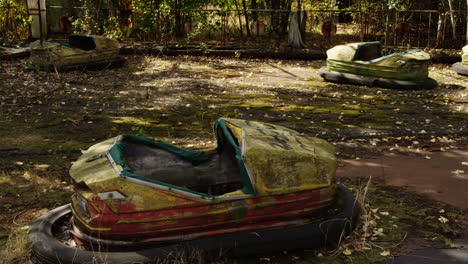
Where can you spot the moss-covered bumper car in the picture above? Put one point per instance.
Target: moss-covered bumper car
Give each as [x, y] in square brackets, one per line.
[363, 63]
[263, 188]
[462, 67]
[80, 52]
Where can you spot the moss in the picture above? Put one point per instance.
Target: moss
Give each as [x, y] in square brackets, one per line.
[3, 237]
[333, 124]
[408, 111]
[317, 83]
[135, 121]
[455, 116]
[351, 113]
[375, 125]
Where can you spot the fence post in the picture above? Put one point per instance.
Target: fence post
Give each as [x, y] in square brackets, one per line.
[440, 31]
[40, 20]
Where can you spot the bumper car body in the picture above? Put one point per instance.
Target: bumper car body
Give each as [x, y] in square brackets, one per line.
[363, 63]
[139, 192]
[462, 67]
[80, 51]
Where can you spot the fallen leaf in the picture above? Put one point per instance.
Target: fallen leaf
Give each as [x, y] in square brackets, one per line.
[442, 219]
[464, 163]
[358, 248]
[2, 181]
[385, 253]
[347, 252]
[378, 232]
[458, 172]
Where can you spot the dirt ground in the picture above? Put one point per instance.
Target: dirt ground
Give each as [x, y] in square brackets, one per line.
[442, 176]
[414, 140]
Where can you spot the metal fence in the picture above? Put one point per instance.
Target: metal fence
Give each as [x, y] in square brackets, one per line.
[261, 27]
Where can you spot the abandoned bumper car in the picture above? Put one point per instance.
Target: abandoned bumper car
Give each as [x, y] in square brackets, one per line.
[362, 63]
[462, 67]
[263, 188]
[80, 52]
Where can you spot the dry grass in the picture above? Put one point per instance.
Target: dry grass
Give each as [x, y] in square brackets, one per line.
[364, 237]
[181, 257]
[17, 248]
[5, 178]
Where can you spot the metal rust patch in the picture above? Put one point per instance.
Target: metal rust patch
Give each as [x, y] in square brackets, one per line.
[238, 210]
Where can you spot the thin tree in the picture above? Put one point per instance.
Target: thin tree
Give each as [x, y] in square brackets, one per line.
[452, 20]
[240, 19]
[244, 5]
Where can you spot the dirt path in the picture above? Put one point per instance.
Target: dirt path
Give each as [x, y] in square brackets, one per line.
[442, 176]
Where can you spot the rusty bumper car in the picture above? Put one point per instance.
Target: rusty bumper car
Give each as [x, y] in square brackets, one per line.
[263, 188]
[80, 52]
[362, 63]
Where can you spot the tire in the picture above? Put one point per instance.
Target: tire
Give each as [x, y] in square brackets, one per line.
[460, 69]
[429, 83]
[46, 248]
[348, 78]
[100, 65]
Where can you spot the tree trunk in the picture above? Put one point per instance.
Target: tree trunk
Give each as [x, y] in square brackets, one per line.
[440, 31]
[295, 38]
[285, 18]
[244, 5]
[387, 28]
[302, 20]
[452, 20]
[254, 5]
[275, 4]
[178, 20]
[240, 19]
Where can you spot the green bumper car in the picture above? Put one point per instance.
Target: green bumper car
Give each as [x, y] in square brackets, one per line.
[80, 52]
[462, 67]
[363, 63]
